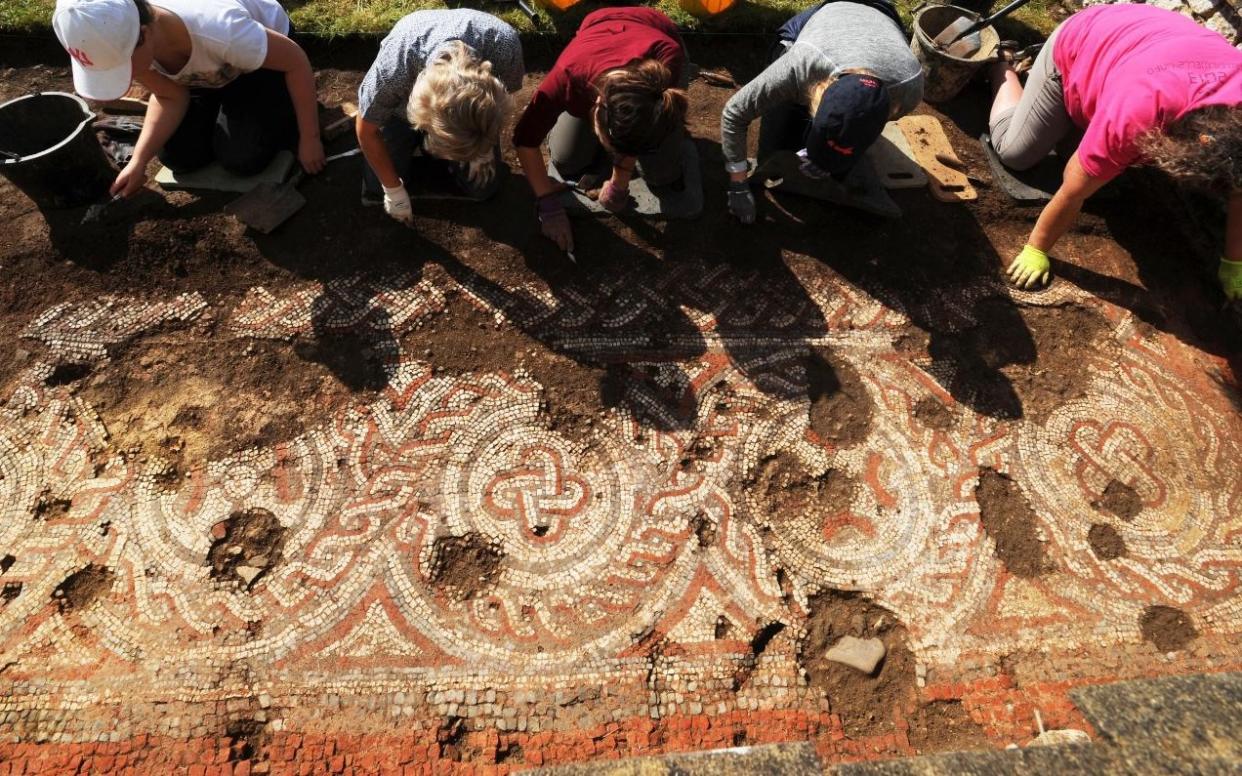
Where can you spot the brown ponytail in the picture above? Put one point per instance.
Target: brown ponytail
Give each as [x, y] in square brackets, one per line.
[638, 106]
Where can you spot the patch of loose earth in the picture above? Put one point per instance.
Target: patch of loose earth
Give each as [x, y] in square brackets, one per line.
[866, 704]
[1011, 524]
[1167, 627]
[944, 726]
[246, 546]
[841, 408]
[183, 402]
[465, 566]
[83, 587]
[787, 491]
[1023, 361]
[464, 338]
[1105, 542]
[1121, 500]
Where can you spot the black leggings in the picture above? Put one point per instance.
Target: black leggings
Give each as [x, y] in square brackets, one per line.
[241, 125]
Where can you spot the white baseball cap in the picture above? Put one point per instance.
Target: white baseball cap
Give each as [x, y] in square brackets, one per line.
[100, 36]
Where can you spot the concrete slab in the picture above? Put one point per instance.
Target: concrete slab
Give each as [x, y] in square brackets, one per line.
[213, 177]
[667, 202]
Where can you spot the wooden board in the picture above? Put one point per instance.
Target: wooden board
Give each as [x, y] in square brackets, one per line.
[894, 160]
[927, 139]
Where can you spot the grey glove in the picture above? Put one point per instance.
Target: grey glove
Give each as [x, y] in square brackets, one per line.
[742, 201]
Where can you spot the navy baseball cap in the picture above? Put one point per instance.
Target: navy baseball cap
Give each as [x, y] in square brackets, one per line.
[851, 115]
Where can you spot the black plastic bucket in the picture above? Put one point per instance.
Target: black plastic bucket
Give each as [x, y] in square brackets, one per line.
[50, 151]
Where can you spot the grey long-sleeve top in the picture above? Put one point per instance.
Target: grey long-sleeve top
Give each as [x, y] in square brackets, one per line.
[840, 36]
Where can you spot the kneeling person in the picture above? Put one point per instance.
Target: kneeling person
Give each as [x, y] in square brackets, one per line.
[226, 82]
[613, 89]
[439, 85]
[840, 71]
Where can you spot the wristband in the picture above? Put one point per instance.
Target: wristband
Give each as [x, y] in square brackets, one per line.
[399, 187]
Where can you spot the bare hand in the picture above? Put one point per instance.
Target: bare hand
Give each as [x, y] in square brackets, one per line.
[130, 181]
[310, 154]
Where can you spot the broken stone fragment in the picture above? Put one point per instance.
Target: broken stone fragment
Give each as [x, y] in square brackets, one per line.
[248, 573]
[1063, 736]
[860, 654]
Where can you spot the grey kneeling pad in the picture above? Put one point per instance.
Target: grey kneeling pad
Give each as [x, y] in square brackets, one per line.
[684, 200]
[861, 189]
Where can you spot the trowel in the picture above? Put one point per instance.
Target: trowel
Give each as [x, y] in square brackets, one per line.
[269, 205]
[961, 39]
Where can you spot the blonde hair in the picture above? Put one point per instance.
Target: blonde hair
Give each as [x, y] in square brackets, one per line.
[459, 104]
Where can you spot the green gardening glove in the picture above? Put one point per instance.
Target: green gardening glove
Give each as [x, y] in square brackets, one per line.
[1031, 268]
[1230, 275]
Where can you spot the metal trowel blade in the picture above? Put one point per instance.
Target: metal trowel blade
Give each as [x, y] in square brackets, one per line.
[967, 47]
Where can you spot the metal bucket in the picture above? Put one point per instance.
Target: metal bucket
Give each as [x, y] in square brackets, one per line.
[58, 161]
[943, 75]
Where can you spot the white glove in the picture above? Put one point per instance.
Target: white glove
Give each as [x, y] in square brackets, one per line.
[397, 204]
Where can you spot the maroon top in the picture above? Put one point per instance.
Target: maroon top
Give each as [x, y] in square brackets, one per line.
[608, 38]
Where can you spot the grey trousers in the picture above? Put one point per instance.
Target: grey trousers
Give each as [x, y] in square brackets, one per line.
[1026, 133]
[574, 147]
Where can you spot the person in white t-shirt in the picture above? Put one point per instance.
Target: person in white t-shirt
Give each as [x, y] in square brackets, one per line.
[227, 84]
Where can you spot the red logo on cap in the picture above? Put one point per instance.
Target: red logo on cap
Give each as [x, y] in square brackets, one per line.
[843, 150]
[80, 55]
[870, 83]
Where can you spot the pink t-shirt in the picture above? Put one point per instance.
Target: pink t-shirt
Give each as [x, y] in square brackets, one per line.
[1127, 69]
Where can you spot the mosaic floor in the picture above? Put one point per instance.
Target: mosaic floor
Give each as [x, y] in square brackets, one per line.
[442, 580]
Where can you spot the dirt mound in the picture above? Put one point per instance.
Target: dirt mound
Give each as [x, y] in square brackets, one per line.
[1010, 522]
[841, 408]
[247, 545]
[866, 704]
[465, 566]
[48, 507]
[1105, 542]
[1121, 500]
[787, 490]
[932, 413]
[185, 400]
[1020, 361]
[83, 587]
[464, 338]
[944, 726]
[1168, 627]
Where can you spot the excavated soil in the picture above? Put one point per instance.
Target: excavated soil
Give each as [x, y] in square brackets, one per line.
[1023, 362]
[463, 338]
[841, 408]
[944, 726]
[465, 566]
[81, 588]
[932, 413]
[866, 704]
[1010, 522]
[178, 402]
[1105, 542]
[1168, 627]
[788, 491]
[1121, 500]
[246, 546]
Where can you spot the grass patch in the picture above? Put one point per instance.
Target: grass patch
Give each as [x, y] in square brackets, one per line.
[335, 18]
